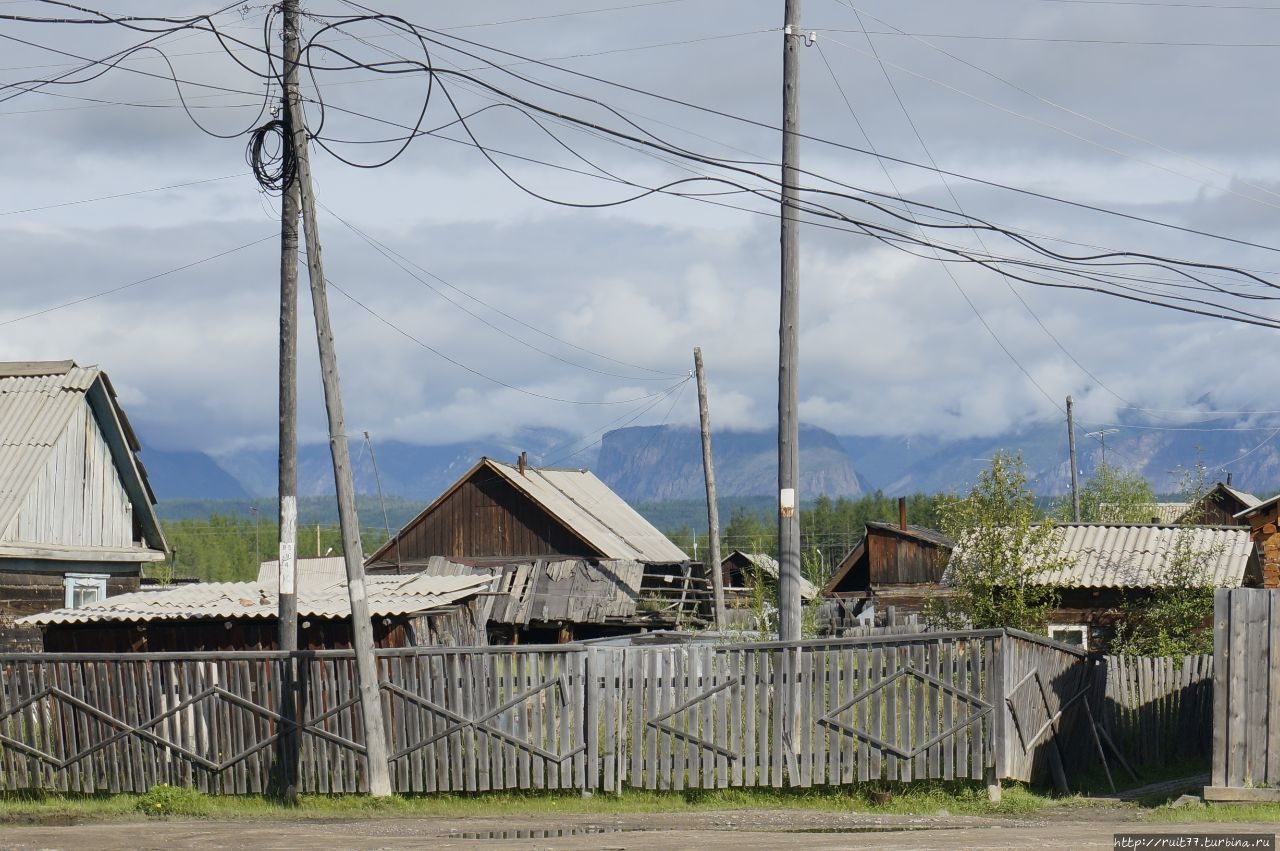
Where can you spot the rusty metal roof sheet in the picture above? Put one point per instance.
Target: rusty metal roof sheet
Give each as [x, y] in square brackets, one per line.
[594, 512]
[1141, 556]
[387, 595]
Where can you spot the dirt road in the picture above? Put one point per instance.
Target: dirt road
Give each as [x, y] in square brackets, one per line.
[706, 831]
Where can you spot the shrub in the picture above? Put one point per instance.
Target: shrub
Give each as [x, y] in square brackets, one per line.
[166, 800]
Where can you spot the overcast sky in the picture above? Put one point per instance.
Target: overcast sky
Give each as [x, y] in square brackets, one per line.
[539, 312]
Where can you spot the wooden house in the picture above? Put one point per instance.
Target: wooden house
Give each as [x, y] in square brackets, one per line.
[1263, 520]
[1101, 567]
[574, 560]
[888, 576]
[1223, 505]
[419, 610]
[77, 521]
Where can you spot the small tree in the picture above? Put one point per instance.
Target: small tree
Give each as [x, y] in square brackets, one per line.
[1172, 620]
[1002, 548]
[1111, 495]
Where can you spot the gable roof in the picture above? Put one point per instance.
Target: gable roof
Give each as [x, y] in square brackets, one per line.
[579, 501]
[1100, 555]
[37, 400]
[387, 595]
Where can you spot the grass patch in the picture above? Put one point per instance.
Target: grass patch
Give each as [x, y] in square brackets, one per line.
[165, 800]
[1225, 813]
[954, 798]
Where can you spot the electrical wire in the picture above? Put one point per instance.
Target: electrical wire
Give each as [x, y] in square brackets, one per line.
[132, 284]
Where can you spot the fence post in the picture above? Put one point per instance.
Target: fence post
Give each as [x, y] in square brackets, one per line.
[996, 670]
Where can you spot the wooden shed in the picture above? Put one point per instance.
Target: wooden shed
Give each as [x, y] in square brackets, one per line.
[891, 557]
[77, 521]
[562, 536]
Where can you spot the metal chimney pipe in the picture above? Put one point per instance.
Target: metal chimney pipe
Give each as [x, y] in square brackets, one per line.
[902, 513]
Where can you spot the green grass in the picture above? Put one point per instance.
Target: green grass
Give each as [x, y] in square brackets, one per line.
[923, 799]
[906, 799]
[1267, 813]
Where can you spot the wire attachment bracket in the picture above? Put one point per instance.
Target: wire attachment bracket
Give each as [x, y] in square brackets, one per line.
[810, 37]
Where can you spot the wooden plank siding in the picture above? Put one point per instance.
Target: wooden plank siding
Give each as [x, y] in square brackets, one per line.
[1246, 688]
[484, 517]
[78, 498]
[677, 716]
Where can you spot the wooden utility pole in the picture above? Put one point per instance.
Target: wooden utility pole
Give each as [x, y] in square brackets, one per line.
[361, 627]
[713, 511]
[288, 463]
[1075, 471]
[789, 339]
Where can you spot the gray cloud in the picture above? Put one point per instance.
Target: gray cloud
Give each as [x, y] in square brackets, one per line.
[888, 346]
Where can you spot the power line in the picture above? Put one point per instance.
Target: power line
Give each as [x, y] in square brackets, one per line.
[122, 194]
[402, 332]
[136, 283]
[395, 258]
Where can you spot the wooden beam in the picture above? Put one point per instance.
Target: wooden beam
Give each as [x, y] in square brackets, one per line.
[58, 552]
[1241, 795]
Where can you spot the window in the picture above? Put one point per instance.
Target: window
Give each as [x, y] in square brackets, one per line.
[83, 588]
[1077, 635]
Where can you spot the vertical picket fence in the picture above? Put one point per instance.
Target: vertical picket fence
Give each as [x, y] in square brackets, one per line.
[901, 707]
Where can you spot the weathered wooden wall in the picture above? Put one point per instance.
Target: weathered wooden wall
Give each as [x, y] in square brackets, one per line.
[485, 517]
[23, 594]
[1246, 687]
[900, 707]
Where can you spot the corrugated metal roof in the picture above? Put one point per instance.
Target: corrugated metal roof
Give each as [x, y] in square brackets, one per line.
[35, 406]
[37, 400]
[387, 595]
[319, 572]
[1113, 556]
[588, 507]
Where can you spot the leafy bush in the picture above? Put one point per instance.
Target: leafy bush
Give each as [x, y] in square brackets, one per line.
[166, 800]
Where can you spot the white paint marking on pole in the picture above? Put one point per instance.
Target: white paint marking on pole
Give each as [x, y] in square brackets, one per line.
[787, 501]
[288, 545]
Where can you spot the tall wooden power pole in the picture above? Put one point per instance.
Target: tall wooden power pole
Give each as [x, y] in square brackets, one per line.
[288, 466]
[1075, 471]
[361, 626]
[713, 510]
[789, 340]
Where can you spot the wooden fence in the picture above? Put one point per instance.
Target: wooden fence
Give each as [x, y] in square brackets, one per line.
[904, 707]
[1246, 694]
[1156, 711]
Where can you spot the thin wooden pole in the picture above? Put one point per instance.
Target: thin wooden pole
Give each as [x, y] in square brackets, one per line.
[287, 505]
[789, 615]
[1075, 469]
[361, 626]
[713, 511]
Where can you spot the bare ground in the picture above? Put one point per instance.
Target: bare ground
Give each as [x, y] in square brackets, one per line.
[727, 829]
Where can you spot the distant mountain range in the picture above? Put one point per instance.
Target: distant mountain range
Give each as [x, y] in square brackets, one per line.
[655, 464]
